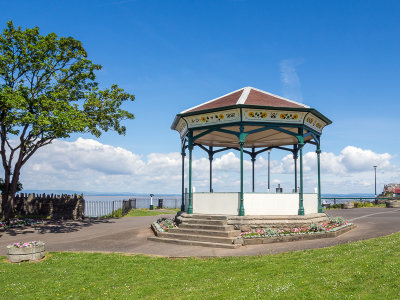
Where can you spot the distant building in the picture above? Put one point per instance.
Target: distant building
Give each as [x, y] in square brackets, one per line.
[392, 188]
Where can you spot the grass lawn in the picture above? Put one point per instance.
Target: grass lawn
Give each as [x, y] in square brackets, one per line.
[147, 212]
[368, 269]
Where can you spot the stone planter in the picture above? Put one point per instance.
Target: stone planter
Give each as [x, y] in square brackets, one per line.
[347, 205]
[15, 254]
[392, 203]
[297, 237]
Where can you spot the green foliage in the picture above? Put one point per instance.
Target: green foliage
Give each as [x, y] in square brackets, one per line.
[48, 84]
[335, 206]
[363, 204]
[363, 270]
[146, 212]
[48, 90]
[269, 231]
[316, 227]
[337, 220]
[115, 214]
[19, 186]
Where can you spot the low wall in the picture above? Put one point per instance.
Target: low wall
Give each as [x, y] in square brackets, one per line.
[216, 203]
[254, 203]
[53, 206]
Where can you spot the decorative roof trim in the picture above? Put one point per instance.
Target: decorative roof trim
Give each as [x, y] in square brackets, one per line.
[215, 99]
[273, 95]
[243, 97]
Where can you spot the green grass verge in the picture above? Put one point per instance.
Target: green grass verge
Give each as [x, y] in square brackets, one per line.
[367, 270]
[147, 212]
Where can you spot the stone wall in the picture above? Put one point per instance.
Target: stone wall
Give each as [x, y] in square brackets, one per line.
[53, 206]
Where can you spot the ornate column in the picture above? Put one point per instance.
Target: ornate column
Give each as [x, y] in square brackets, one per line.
[319, 179]
[269, 173]
[295, 156]
[183, 153]
[242, 138]
[211, 157]
[253, 159]
[301, 145]
[190, 147]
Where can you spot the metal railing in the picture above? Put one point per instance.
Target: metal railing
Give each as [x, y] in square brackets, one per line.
[104, 209]
[118, 208]
[337, 200]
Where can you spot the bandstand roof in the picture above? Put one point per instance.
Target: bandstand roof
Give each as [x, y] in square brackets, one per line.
[270, 120]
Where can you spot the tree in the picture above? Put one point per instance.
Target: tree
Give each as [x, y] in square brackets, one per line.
[48, 90]
[19, 186]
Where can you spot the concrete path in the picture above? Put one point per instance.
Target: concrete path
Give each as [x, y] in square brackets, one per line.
[129, 235]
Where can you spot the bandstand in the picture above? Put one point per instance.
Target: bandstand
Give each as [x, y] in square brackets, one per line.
[251, 122]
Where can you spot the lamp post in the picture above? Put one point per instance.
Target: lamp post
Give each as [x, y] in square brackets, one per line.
[151, 202]
[375, 179]
[269, 159]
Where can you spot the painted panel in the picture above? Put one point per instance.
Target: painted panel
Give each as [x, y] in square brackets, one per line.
[182, 127]
[314, 123]
[254, 203]
[216, 203]
[310, 203]
[220, 117]
[276, 116]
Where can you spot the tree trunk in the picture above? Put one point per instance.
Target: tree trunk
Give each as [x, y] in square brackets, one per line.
[8, 195]
[7, 206]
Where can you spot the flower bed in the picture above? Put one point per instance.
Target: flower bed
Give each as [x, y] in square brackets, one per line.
[333, 225]
[21, 222]
[163, 224]
[25, 251]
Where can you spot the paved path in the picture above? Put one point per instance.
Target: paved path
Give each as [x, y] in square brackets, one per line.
[129, 235]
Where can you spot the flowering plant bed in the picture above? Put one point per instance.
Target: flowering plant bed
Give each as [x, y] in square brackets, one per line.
[25, 251]
[334, 227]
[163, 224]
[21, 222]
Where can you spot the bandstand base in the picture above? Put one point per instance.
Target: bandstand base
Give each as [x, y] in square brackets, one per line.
[246, 223]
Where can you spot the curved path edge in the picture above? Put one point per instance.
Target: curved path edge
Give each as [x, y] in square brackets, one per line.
[129, 235]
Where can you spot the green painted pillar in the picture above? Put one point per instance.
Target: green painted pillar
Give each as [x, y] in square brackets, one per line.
[301, 144]
[183, 177]
[211, 157]
[190, 147]
[319, 179]
[242, 137]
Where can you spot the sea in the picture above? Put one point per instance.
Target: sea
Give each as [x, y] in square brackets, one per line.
[98, 205]
[101, 205]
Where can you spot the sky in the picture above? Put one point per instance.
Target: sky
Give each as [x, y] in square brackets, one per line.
[339, 57]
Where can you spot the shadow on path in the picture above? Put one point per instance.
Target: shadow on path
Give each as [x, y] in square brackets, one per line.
[55, 226]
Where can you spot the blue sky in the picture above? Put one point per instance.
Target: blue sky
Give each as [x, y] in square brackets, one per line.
[340, 57]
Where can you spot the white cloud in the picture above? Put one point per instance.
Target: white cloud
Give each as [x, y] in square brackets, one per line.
[89, 165]
[290, 80]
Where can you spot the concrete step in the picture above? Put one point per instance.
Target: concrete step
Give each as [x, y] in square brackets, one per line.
[193, 243]
[205, 222]
[200, 238]
[210, 217]
[207, 227]
[230, 233]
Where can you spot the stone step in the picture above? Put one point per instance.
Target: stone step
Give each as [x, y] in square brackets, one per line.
[200, 238]
[207, 227]
[210, 217]
[205, 222]
[230, 233]
[193, 243]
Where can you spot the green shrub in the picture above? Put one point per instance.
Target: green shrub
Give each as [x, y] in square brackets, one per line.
[363, 204]
[337, 220]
